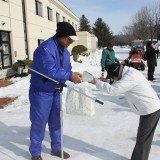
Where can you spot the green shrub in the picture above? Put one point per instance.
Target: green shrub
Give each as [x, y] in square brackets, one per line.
[78, 50]
[26, 62]
[15, 66]
[75, 58]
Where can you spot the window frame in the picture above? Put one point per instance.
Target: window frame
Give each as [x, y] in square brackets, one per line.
[40, 41]
[38, 8]
[3, 54]
[58, 17]
[50, 13]
[64, 19]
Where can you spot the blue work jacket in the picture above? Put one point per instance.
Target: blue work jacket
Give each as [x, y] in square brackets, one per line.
[52, 60]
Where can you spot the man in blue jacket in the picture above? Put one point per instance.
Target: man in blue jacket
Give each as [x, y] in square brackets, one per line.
[52, 59]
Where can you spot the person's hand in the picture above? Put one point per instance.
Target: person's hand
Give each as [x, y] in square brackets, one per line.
[102, 74]
[103, 69]
[103, 79]
[76, 77]
[117, 61]
[93, 81]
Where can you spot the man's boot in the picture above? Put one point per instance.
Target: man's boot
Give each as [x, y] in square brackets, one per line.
[58, 154]
[37, 158]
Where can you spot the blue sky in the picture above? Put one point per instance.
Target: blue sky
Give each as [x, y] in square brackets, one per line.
[116, 13]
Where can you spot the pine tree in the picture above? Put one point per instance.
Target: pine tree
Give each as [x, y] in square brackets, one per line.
[102, 31]
[84, 24]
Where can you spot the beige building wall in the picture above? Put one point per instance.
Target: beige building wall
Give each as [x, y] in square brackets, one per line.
[11, 15]
[86, 39]
[94, 42]
[39, 27]
[16, 22]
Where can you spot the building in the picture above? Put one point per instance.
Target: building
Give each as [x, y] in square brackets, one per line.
[24, 24]
[85, 39]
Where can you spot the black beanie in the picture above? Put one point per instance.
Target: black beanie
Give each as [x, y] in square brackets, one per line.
[65, 29]
[113, 70]
[110, 44]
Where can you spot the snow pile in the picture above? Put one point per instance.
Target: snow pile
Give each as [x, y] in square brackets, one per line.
[79, 104]
[93, 59]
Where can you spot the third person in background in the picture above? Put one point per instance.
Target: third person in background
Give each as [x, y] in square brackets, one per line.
[108, 57]
[157, 48]
[151, 60]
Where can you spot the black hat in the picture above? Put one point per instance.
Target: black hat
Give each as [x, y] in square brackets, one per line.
[65, 29]
[110, 44]
[115, 70]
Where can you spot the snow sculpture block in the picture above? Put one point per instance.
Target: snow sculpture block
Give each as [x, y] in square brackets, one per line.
[78, 104]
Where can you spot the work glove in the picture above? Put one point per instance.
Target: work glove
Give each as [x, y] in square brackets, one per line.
[111, 81]
[103, 69]
[117, 61]
[102, 75]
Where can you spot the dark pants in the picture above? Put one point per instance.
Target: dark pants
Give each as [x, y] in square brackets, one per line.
[151, 72]
[158, 54]
[146, 129]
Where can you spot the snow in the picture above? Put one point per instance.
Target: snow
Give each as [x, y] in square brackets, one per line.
[108, 134]
[80, 104]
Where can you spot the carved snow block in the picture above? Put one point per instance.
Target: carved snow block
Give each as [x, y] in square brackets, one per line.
[79, 104]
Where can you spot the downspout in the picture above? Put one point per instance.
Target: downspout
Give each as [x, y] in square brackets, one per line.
[25, 28]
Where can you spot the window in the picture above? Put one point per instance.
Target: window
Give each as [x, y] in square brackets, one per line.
[76, 27]
[58, 17]
[64, 19]
[49, 10]
[40, 41]
[38, 8]
[5, 51]
[6, 1]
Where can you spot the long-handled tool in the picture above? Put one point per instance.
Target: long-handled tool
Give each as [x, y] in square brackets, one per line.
[61, 110]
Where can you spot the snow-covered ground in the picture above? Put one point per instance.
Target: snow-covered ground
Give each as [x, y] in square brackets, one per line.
[108, 135]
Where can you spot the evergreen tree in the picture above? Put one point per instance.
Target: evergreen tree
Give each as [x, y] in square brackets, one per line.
[102, 31]
[84, 24]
